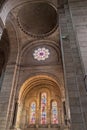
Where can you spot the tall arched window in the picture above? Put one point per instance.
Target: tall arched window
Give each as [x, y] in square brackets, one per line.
[33, 113]
[43, 108]
[54, 113]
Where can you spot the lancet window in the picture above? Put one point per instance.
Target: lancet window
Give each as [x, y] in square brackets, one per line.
[54, 113]
[43, 108]
[43, 111]
[33, 113]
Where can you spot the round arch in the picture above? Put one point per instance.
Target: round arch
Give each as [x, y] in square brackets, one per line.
[35, 81]
[31, 91]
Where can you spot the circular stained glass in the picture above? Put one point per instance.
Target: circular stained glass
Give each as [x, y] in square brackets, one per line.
[41, 54]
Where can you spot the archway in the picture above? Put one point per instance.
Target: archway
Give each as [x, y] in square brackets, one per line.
[40, 103]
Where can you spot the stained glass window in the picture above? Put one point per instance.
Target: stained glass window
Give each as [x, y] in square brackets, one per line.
[41, 54]
[32, 113]
[54, 113]
[43, 108]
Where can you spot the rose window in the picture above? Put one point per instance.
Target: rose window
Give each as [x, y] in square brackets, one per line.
[41, 54]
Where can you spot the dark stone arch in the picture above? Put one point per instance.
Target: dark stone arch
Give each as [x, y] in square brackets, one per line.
[10, 50]
[2, 61]
[4, 44]
[1, 3]
[4, 54]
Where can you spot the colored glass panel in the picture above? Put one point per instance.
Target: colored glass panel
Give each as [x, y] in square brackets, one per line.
[41, 54]
[43, 108]
[54, 113]
[32, 113]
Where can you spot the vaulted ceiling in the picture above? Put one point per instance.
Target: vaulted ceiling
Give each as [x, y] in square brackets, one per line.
[60, 2]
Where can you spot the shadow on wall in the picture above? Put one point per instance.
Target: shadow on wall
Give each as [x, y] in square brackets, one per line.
[1, 3]
[4, 54]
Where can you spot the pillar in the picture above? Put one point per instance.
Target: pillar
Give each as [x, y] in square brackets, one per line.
[19, 114]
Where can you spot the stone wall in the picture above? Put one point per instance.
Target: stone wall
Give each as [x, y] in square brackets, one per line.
[78, 10]
[74, 78]
[7, 89]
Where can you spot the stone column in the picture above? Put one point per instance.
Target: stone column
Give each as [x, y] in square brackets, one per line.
[38, 116]
[49, 116]
[8, 88]
[5, 97]
[23, 118]
[60, 115]
[19, 114]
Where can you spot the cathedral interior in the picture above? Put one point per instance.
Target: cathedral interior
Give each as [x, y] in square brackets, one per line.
[43, 65]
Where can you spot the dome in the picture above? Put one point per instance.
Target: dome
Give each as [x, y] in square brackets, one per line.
[37, 18]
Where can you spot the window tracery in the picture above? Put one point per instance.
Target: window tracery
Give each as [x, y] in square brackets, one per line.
[41, 54]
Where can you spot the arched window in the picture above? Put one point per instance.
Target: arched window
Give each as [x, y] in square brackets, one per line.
[54, 113]
[33, 113]
[43, 98]
[43, 108]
